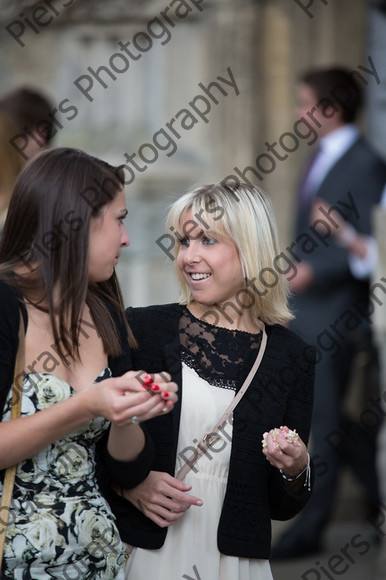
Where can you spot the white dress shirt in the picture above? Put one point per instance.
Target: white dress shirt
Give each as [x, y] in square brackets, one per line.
[331, 148]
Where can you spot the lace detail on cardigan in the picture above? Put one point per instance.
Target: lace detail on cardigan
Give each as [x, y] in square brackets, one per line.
[215, 353]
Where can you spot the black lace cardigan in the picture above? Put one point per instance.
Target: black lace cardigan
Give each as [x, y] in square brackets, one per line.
[280, 394]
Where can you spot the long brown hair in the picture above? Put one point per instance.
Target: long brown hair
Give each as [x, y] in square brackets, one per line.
[45, 244]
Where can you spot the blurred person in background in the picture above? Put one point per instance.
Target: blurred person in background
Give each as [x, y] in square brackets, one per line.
[10, 166]
[26, 129]
[31, 114]
[341, 185]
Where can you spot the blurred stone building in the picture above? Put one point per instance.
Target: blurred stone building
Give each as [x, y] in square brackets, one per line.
[169, 53]
[120, 71]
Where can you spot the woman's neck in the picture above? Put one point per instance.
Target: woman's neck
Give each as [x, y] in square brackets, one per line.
[231, 317]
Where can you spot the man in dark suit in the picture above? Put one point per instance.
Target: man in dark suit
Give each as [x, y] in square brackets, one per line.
[340, 187]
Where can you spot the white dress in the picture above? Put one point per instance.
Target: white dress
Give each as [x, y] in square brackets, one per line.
[190, 550]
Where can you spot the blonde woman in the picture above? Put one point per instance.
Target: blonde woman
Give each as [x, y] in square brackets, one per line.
[216, 524]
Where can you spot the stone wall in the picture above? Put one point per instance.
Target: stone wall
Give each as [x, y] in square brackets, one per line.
[264, 43]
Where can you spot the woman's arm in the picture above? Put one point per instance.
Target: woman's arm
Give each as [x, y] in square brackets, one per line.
[162, 498]
[288, 498]
[24, 437]
[118, 399]
[127, 441]
[286, 451]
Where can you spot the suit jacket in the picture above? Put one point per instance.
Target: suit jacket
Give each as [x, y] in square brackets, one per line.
[361, 172]
[281, 393]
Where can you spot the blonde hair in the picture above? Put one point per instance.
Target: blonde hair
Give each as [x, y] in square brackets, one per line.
[243, 214]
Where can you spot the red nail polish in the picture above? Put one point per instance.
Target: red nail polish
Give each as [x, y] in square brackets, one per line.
[165, 395]
[148, 380]
[155, 388]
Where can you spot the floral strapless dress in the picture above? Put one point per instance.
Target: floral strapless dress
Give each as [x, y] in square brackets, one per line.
[59, 524]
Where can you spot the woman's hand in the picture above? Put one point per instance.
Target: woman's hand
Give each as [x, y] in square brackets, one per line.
[162, 498]
[285, 450]
[119, 399]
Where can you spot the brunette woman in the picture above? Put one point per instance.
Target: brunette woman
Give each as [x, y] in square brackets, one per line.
[62, 240]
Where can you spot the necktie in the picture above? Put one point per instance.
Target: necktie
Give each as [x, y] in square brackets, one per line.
[306, 184]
